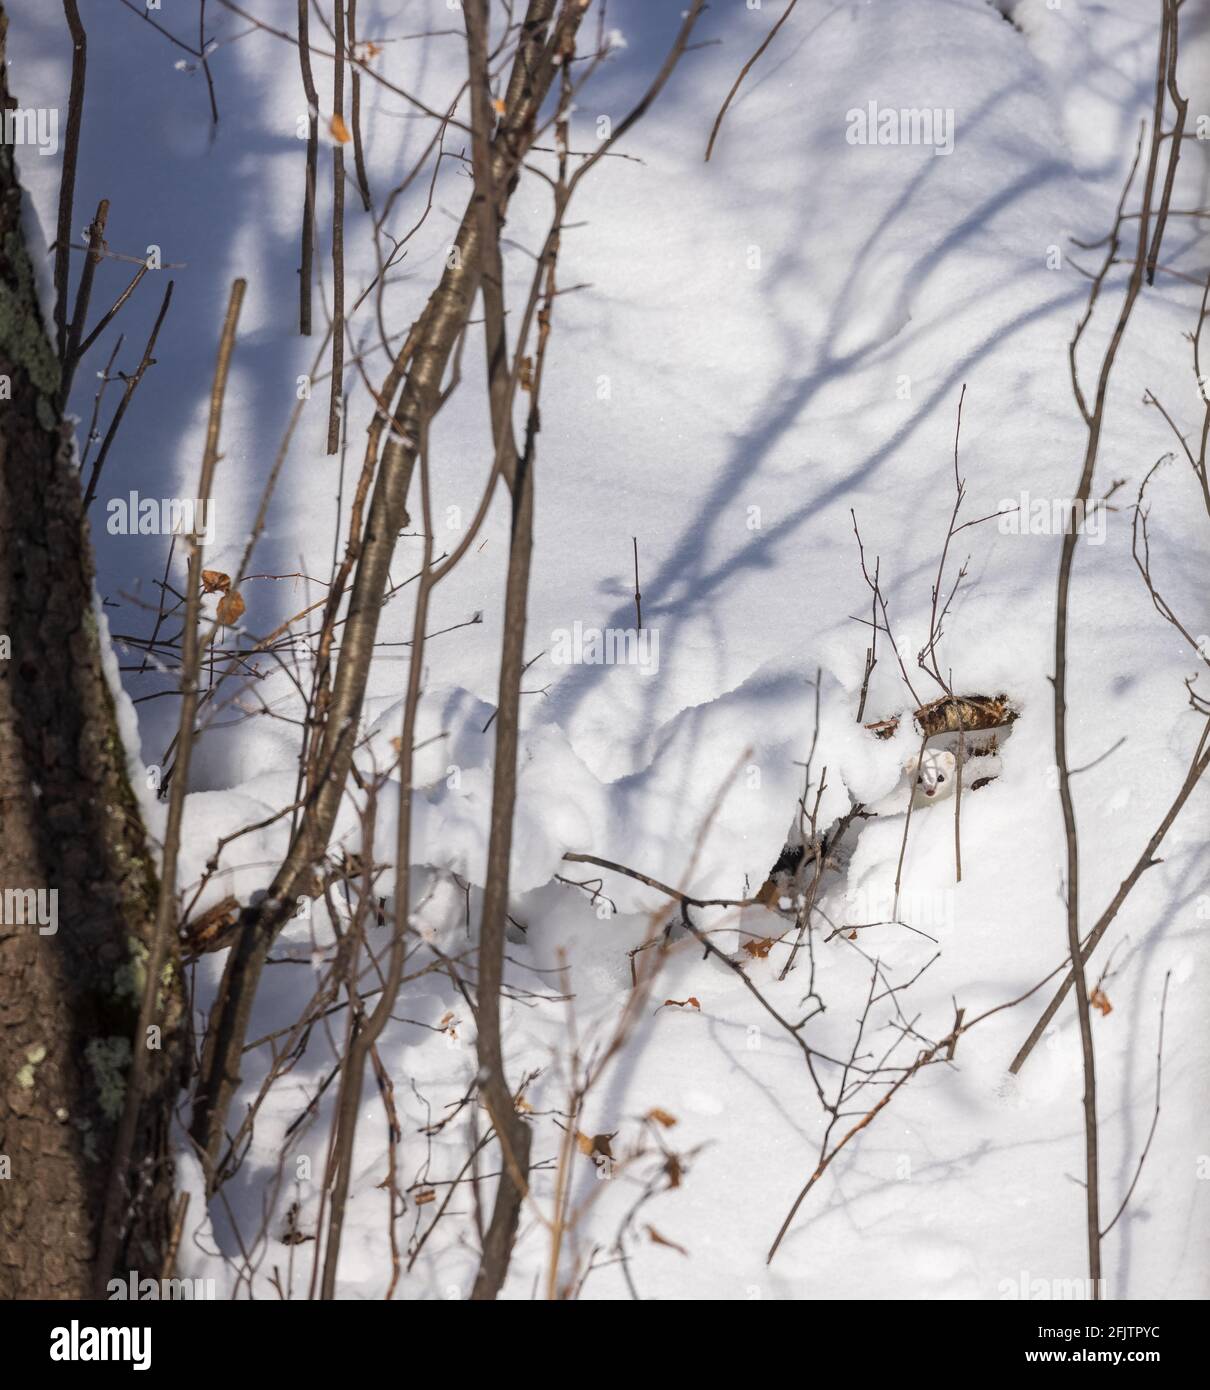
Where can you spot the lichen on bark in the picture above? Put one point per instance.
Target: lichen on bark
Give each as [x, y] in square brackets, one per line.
[69, 821]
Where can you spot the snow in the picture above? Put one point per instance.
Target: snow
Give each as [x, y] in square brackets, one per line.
[766, 342]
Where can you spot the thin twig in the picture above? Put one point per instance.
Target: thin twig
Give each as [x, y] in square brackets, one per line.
[359, 159]
[638, 597]
[1155, 1116]
[166, 906]
[131, 386]
[72, 350]
[67, 181]
[306, 272]
[336, 388]
[743, 72]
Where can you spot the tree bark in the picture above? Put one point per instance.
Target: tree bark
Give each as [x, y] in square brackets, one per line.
[69, 826]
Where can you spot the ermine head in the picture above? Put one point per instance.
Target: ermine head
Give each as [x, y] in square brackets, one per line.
[935, 772]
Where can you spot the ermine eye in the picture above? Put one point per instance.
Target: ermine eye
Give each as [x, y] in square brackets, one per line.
[941, 777]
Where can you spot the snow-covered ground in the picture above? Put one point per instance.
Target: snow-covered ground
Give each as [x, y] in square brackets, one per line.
[766, 342]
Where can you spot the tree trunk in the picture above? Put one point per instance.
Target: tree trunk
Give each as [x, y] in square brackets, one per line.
[73, 853]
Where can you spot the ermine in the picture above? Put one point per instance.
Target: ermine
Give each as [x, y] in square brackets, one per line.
[936, 776]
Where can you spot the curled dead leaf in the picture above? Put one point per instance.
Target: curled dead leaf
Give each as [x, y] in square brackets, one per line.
[215, 580]
[691, 1002]
[212, 930]
[1100, 1000]
[661, 1117]
[230, 608]
[424, 1197]
[338, 130]
[595, 1146]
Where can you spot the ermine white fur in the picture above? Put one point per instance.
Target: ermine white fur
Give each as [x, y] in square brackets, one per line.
[936, 776]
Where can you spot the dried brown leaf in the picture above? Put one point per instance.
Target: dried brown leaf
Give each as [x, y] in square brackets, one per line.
[230, 608]
[758, 950]
[211, 930]
[594, 1147]
[658, 1239]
